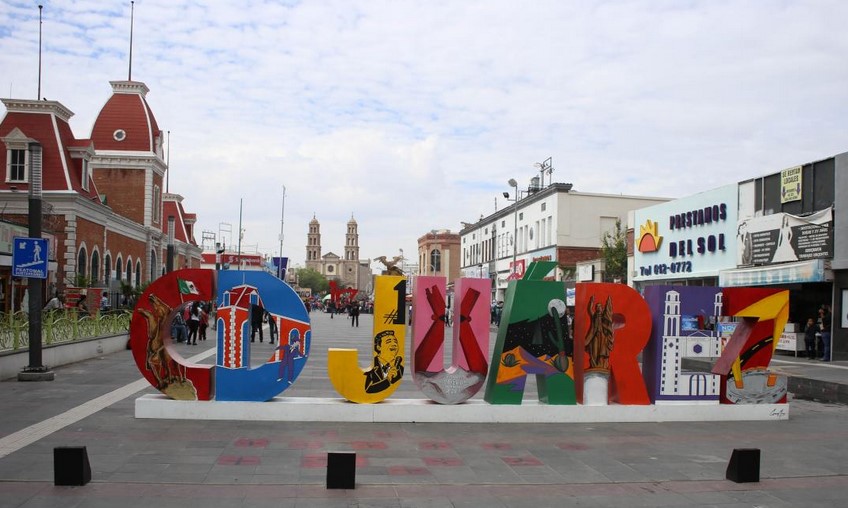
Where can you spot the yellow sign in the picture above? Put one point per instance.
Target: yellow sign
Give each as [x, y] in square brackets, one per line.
[383, 376]
[790, 184]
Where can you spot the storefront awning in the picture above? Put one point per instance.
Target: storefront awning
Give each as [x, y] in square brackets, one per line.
[785, 273]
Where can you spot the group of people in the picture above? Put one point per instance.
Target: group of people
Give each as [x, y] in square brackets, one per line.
[817, 335]
[190, 323]
[353, 309]
[258, 317]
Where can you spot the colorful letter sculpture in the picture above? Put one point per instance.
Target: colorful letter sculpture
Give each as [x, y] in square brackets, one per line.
[686, 325]
[151, 340]
[598, 365]
[743, 365]
[382, 378]
[241, 293]
[532, 339]
[159, 361]
[612, 324]
[464, 378]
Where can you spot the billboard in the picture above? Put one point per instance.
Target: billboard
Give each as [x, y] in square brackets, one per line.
[781, 238]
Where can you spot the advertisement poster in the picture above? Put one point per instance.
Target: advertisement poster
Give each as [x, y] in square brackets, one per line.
[781, 238]
[790, 184]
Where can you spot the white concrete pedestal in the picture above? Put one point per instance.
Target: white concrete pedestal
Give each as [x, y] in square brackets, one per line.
[303, 409]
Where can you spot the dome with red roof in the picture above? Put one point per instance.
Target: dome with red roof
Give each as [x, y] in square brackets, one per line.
[126, 122]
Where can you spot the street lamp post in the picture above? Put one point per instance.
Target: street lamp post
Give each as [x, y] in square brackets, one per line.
[35, 371]
[169, 259]
[281, 274]
[512, 183]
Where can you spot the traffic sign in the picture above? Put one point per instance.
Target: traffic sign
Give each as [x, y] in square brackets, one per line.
[29, 258]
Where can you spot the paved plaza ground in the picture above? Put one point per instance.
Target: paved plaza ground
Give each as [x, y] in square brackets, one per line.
[174, 463]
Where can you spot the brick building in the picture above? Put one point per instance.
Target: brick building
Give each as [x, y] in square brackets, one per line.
[104, 209]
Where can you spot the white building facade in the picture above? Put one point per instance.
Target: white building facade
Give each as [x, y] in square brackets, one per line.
[556, 223]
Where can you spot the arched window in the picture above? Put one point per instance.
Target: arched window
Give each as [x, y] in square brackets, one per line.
[435, 261]
[138, 273]
[82, 262]
[95, 266]
[119, 268]
[129, 271]
[107, 270]
[152, 264]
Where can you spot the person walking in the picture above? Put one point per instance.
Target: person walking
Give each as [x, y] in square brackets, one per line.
[354, 314]
[204, 321]
[272, 327]
[257, 312]
[825, 332]
[193, 323]
[810, 332]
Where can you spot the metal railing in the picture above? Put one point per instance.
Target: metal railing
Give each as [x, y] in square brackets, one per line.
[61, 326]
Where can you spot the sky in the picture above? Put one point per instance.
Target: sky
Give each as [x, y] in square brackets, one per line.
[412, 115]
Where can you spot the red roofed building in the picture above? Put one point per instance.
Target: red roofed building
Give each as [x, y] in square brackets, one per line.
[103, 199]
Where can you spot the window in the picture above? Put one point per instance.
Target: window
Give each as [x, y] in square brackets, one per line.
[129, 272]
[16, 165]
[95, 266]
[107, 270]
[85, 174]
[157, 206]
[82, 262]
[521, 216]
[436, 260]
[118, 269]
[152, 264]
[543, 206]
[119, 135]
[138, 273]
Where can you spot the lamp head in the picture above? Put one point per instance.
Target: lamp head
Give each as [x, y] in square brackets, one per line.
[506, 195]
[512, 182]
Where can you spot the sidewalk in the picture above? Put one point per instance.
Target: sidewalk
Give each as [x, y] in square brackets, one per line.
[169, 463]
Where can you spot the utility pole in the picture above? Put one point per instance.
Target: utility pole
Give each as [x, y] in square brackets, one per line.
[280, 272]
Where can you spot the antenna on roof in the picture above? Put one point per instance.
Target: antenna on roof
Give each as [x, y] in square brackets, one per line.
[168, 163]
[132, 15]
[40, 7]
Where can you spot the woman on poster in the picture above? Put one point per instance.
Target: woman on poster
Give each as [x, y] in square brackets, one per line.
[784, 251]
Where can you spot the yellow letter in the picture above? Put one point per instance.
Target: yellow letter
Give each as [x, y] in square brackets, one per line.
[383, 376]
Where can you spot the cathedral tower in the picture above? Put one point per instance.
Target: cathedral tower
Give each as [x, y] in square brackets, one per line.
[352, 240]
[313, 243]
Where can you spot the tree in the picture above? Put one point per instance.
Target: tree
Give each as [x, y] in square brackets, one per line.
[312, 279]
[614, 254]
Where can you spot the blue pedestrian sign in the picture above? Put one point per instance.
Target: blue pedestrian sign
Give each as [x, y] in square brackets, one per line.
[29, 258]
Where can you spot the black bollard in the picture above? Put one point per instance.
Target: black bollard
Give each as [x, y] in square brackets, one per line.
[70, 466]
[744, 465]
[341, 470]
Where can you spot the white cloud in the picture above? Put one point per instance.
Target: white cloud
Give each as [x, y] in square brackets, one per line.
[412, 115]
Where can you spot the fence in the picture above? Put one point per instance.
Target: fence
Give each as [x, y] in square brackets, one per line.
[61, 326]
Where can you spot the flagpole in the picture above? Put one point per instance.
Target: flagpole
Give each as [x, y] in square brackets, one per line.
[40, 7]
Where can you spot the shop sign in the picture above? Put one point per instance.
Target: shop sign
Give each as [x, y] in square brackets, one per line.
[780, 238]
[687, 238]
[790, 184]
[789, 273]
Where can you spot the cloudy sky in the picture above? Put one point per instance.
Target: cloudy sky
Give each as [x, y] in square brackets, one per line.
[413, 115]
